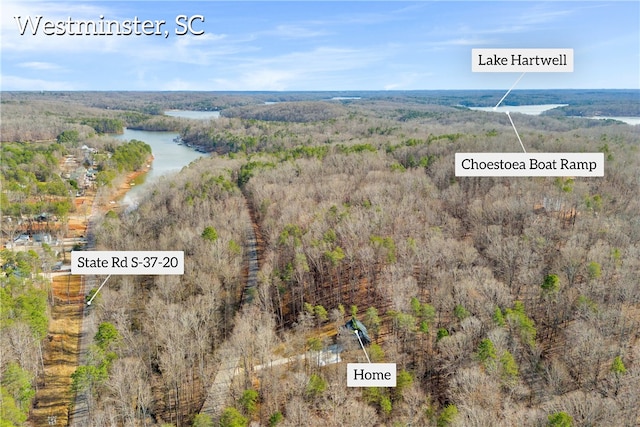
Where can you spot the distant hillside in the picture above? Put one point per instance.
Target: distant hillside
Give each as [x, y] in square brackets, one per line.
[299, 112]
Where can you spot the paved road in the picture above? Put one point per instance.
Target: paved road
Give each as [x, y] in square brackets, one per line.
[219, 392]
[253, 267]
[79, 415]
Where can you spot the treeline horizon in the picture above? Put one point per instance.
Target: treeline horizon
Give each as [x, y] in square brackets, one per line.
[153, 101]
[91, 113]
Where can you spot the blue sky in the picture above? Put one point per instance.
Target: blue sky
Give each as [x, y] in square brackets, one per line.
[304, 45]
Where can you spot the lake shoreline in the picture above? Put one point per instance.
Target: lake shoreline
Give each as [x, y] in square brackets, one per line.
[168, 157]
[531, 110]
[126, 185]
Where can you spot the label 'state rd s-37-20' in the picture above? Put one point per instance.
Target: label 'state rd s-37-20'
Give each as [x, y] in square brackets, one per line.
[127, 262]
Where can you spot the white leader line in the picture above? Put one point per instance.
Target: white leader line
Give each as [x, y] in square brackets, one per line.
[362, 345]
[509, 91]
[94, 295]
[509, 115]
[514, 129]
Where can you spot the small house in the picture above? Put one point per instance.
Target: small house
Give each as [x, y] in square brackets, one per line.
[42, 238]
[354, 325]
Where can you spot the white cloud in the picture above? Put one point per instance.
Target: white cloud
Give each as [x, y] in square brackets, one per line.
[180, 84]
[40, 66]
[542, 14]
[408, 80]
[461, 41]
[263, 79]
[293, 31]
[21, 83]
[206, 50]
[318, 68]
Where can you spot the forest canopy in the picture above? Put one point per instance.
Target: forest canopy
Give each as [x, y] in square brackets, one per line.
[502, 301]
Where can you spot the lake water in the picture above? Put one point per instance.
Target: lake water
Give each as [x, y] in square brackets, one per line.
[627, 120]
[194, 115]
[168, 157]
[536, 110]
[533, 110]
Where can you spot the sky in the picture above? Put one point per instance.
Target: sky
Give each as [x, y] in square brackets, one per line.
[317, 46]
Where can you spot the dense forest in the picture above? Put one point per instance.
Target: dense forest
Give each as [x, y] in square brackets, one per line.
[41, 182]
[23, 322]
[502, 301]
[58, 111]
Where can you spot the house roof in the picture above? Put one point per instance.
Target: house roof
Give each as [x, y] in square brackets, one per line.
[355, 325]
